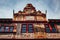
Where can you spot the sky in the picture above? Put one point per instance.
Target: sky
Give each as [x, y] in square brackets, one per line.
[52, 7]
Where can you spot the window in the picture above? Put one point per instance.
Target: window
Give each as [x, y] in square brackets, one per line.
[53, 29]
[11, 29]
[50, 28]
[27, 28]
[47, 29]
[1, 29]
[23, 28]
[6, 29]
[30, 28]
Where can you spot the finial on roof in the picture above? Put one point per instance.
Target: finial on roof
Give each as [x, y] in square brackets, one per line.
[45, 11]
[13, 11]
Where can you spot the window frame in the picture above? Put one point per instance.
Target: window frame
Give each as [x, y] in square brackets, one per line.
[27, 28]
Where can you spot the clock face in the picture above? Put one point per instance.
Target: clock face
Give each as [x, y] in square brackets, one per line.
[29, 18]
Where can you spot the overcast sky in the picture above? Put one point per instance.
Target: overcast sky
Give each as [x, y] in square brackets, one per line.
[52, 7]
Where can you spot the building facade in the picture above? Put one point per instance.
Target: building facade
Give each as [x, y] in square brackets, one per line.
[30, 21]
[7, 28]
[29, 24]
